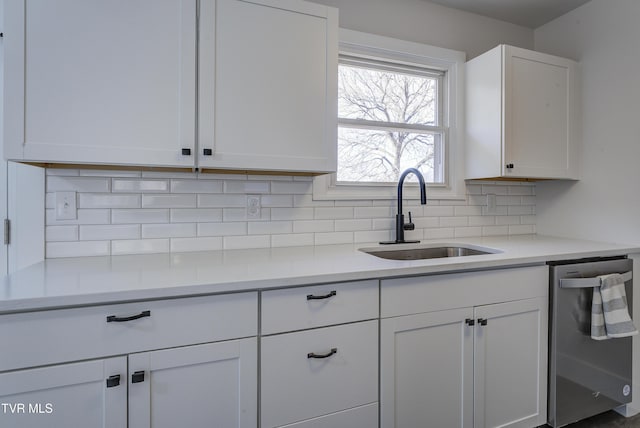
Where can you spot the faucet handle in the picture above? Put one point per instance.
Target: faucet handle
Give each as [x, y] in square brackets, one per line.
[410, 225]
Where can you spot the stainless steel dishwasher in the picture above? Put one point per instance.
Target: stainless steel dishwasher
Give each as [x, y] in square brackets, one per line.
[586, 376]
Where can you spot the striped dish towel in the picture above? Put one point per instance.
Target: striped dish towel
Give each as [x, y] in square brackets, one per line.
[609, 312]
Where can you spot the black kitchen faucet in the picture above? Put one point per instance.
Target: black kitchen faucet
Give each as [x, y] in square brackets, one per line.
[401, 226]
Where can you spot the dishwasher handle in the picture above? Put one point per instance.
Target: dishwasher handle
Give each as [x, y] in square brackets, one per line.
[588, 282]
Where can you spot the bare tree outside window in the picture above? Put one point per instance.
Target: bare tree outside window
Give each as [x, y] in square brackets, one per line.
[388, 121]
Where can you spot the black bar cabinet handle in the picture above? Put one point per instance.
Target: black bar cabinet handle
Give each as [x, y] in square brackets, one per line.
[113, 318]
[482, 321]
[470, 322]
[327, 355]
[326, 296]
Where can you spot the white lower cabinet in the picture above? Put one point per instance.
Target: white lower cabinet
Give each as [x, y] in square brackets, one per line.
[66, 395]
[196, 386]
[476, 366]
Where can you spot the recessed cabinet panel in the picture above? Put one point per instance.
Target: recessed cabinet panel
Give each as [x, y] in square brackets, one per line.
[268, 76]
[102, 82]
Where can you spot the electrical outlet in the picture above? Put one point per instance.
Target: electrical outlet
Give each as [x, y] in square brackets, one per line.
[66, 206]
[491, 204]
[254, 206]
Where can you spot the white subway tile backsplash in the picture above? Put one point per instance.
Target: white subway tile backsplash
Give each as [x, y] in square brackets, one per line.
[372, 236]
[322, 213]
[142, 185]
[195, 215]
[270, 227]
[141, 216]
[109, 232]
[454, 221]
[246, 187]
[521, 210]
[304, 226]
[439, 211]
[181, 245]
[352, 225]
[222, 201]
[440, 233]
[244, 242]
[108, 200]
[196, 186]
[61, 233]
[78, 184]
[84, 216]
[76, 249]
[292, 240]
[329, 238]
[464, 232]
[169, 201]
[277, 201]
[139, 246]
[495, 230]
[133, 212]
[294, 187]
[222, 229]
[174, 230]
[291, 213]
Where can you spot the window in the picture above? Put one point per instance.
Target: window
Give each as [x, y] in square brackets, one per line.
[398, 107]
[389, 119]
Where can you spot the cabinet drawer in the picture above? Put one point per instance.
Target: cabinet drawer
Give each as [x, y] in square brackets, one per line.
[47, 337]
[296, 387]
[318, 306]
[360, 417]
[404, 296]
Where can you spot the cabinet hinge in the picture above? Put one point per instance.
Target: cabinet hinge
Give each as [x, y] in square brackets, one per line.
[7, 231]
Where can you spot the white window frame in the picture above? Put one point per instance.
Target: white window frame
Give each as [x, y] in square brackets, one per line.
[379, 48]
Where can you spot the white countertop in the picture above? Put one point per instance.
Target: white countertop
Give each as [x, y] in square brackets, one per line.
[56, 283]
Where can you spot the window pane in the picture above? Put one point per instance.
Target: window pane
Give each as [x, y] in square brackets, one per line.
[366, 155]
[386, 96]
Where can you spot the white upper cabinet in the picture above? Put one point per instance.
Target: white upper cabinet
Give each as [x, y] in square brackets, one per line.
[522, 118]
[267, 85]
[100, 82]
[217, 84]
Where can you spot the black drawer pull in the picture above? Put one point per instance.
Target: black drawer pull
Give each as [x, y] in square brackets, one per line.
[113, 381]
[113, 318]
[326, 296]
[207, 152]
[137, 377]
[186, 152]
[327, 355]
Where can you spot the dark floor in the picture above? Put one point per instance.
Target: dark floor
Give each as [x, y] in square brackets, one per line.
[609, 419]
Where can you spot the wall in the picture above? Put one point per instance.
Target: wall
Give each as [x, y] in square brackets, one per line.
[134, 212]
[127, 213]
[425, 22]
[605, 204]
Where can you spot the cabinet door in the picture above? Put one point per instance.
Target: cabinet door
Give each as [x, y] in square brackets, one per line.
[268, 85]
[426, 364]
[540, 118]
[510, 364]
[197, 386]
[101, 82]
[67, 395]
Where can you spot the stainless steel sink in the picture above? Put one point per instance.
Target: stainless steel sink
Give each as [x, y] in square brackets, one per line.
[430, 252]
